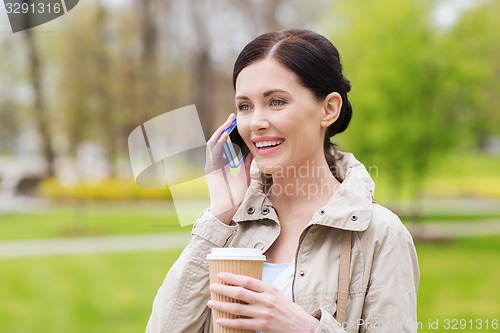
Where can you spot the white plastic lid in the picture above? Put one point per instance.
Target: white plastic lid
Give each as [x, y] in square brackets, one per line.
[235, 253]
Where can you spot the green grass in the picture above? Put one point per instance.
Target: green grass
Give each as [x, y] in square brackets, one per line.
[98, 219]
[110, 293]
[459, 280]
[89, 219]
[113, 293]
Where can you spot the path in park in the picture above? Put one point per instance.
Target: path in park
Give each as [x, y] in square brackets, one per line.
[166, 241]
[446, 230]
[89, 245]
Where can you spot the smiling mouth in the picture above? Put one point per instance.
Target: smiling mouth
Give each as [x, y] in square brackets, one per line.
[268, 144]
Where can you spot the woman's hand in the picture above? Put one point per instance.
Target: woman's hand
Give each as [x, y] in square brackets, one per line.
[227, 191]
[267, 309]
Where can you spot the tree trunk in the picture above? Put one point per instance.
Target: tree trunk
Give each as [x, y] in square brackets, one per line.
[148, 69]
[204, 80]
[103, 87]
[41, 113]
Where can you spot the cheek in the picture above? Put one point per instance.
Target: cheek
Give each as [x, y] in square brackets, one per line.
[244, 128]
[292, 123]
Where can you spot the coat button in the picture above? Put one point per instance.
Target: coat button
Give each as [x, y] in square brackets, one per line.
[265, 211]
[251, 210]
[259, 246]
[354, 218]
[322, 212]
[302, 273]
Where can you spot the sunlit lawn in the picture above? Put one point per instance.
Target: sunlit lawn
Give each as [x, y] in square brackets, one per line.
[80, 294]
[459, 280]
[114, 292]
[89, 219]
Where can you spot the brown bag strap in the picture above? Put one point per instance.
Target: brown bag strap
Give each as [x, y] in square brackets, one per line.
[344, 276]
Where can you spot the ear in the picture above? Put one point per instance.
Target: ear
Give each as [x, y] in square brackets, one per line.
[331, 109]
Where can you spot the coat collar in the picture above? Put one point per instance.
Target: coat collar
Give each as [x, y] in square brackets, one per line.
[349, 208]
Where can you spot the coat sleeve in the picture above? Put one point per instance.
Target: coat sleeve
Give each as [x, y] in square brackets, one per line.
[391, 298]
[181, 302]
[327, 323]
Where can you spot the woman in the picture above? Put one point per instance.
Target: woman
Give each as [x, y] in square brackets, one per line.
[303, 200]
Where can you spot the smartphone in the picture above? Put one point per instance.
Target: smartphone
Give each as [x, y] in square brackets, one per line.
[235, 150]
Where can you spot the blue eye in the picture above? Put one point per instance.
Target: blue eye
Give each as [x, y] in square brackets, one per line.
[277, 102]
[244, 107]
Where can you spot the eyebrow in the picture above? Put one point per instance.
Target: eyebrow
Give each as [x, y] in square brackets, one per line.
[265, 94]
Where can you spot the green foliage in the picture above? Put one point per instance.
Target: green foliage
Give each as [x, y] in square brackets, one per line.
[194, 188]
[474, 45]
[477, 186]
[458, 175]
[472, 175]
[416, 89]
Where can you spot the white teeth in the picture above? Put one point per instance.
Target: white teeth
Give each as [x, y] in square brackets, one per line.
[265, 144]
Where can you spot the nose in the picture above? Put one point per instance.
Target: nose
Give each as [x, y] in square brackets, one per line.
[259, 120]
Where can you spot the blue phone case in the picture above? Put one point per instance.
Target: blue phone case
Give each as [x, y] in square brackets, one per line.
[234, 159]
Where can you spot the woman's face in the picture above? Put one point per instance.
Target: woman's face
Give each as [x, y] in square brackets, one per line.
[280, 120]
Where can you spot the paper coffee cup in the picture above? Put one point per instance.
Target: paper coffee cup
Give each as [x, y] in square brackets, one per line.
[243, 261]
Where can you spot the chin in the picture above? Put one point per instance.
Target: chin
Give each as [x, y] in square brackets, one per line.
[270, 167]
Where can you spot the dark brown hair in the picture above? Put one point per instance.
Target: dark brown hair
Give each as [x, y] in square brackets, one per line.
[315, 61]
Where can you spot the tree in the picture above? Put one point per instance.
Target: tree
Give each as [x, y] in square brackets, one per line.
[114, 72]
[103, 87]
[403, 122]
[9, 118]
[40, 108]
[474, 43]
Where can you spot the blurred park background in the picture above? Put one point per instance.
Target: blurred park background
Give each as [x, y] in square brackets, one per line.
[84, 249]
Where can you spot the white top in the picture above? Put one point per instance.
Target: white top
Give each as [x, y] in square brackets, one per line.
[280, 276]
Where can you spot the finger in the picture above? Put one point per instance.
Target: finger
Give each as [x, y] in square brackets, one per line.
[216, 152]
[214, 159]
[217, 134]
[236, 292]
[239, 323]
[244, 281]
[238, 309]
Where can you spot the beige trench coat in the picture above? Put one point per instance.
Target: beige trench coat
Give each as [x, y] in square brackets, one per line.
[384, 267]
